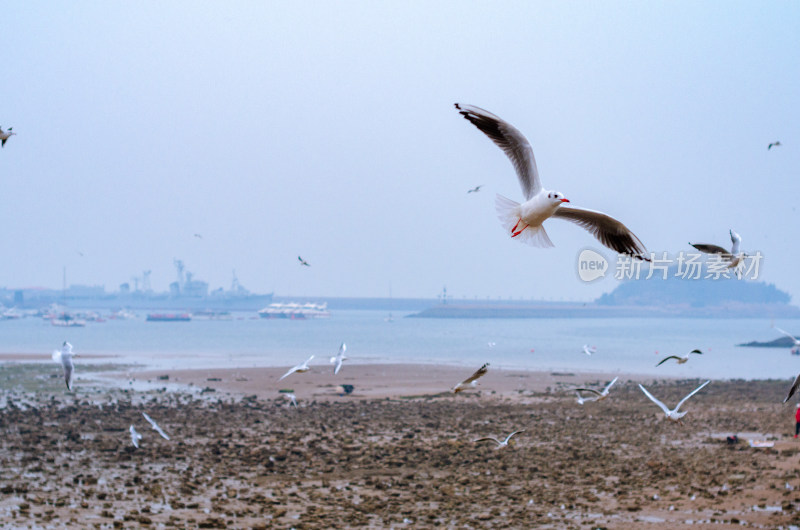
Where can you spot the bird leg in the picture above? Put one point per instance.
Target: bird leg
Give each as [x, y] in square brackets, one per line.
[514, 231]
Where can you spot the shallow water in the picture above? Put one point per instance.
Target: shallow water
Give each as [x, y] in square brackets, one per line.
[626, 345]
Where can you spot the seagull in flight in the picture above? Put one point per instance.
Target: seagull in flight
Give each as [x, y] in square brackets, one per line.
[733, 256]
[588, 350]
[135, 436]
[524, 221]
[581, 400]
[339, 358]
[500, 444]
[796, 342]
[680, 358]
[472, 380]
[289, 396]
[300, 368]
[64, 356]
[673, 414]
[602, 394]
[770, 146]
[476, 189]
[155, 426]
[4, 136]
[303, 262]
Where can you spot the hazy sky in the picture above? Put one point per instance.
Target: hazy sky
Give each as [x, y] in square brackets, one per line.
[327, 130]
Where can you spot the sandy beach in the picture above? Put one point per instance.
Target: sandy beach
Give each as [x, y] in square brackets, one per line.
[398, 452]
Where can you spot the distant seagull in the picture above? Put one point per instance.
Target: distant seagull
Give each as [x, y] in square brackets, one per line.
[491, 344]
[155, 426]
[770, 146]
[581, 400]
[500, 444]
[300, 368]
[680, 358]
[135, 436]
[793, 389]
[65, 357]
[476, 189]
[602, 394]
[733, 256]
[796, 342]
[339, 358]
[471, 380]
[673, 414]
[289, 396]
[525, 220]
[588, 350]
[198, 236]
[6, 135]
[303, 262]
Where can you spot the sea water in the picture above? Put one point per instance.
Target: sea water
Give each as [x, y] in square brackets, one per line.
[624, 345]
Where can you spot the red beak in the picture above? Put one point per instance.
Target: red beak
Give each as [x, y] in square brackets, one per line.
[564, 200]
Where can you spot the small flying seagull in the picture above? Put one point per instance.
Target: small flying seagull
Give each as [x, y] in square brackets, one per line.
[588, 350]
[793, 389]
[155, 426]
[524, 221]
[602, 394]
[581, 400]
[500, 444]
[476, 189]
[733, 256]
[673, 414]
[770, 146]
[4, 136]
[289, 396]
[680, 358]
[339, 358]
[64, 355]
[135, 436]
[303, 262]
[199, 236]
[300, 368]
[471, 380]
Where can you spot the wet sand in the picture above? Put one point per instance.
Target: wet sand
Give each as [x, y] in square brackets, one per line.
[398, 452]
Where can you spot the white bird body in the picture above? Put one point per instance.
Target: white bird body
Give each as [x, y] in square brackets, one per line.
[524, 221]
[673, 414]
[135, 436]
[601, 394]
[588, 350]
[339, 358]
[300, 368]
[500, 444]
[64, 356]
[155, 426]
[581, 400]
[291, 398]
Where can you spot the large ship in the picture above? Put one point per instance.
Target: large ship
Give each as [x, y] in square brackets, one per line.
[186, 294]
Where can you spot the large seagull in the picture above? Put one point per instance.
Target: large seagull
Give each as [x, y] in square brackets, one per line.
[524, 221]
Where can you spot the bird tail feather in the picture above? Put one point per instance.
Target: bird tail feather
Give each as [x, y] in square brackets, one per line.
[508, 214]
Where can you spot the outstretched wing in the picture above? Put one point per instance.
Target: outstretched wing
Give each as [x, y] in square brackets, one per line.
[512, 434]
[693, 392]
[790, 336]
[707, 248]
[665, 359]
[287, 374]
[608, 387]
[591, 390]
[654, 400]
[495, 440]
[793, 389]
[606, 229]
[480, 372]
[511, 141]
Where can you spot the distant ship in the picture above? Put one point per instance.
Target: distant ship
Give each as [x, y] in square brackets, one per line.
[169, 317]
[295, 311]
